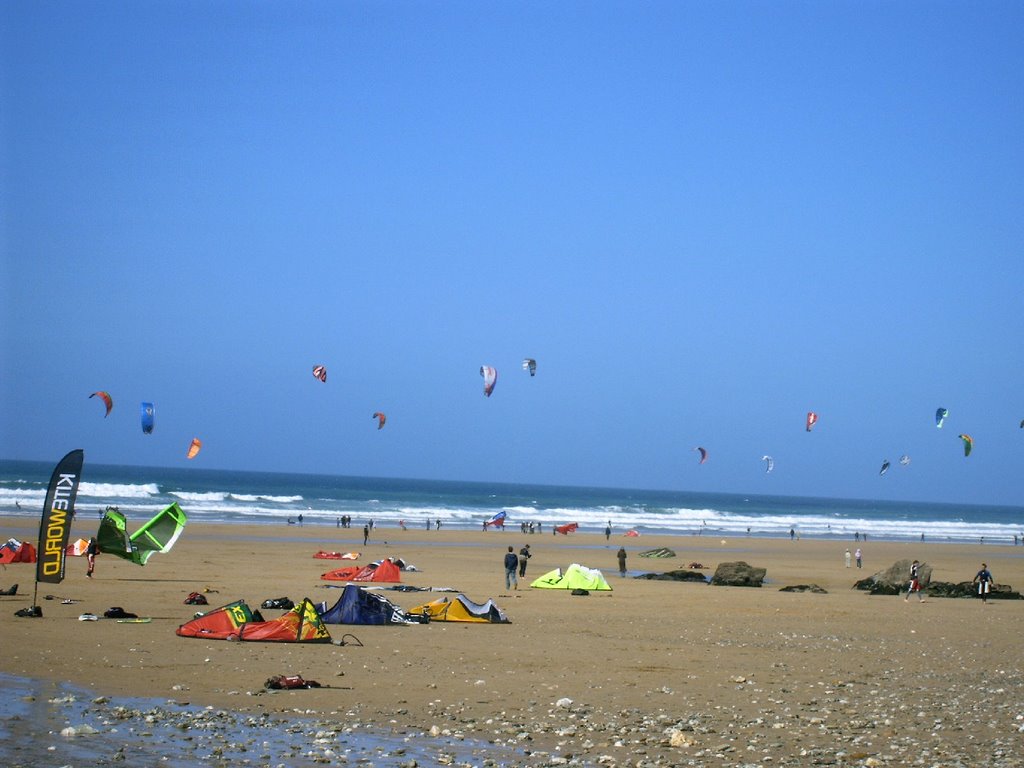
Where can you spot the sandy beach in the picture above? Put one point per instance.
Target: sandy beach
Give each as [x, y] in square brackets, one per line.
[652, 673]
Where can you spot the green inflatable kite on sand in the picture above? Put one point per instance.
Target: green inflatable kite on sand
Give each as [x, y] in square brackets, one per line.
[158, 535]
[576, 576]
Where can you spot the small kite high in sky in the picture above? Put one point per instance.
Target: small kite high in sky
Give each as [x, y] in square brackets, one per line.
[904, 460]
[194, 448]
[940, 416]
[381, 418]
[968, 444]
[769, 463]
[812, 419]
[320, 372]
[885, 467]
[703, 454]
[146, 414]
[107, 401]
[490, 378]
[529, 364]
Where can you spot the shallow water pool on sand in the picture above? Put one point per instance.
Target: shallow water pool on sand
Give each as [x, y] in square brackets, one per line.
[53, 724]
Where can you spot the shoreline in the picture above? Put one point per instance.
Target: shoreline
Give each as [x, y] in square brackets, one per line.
[682, 673]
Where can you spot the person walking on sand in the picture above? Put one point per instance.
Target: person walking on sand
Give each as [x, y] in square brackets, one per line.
[608, 531]
[511, 561]
[857, 557]
[621, 555]
[847, 558]
[915, 585]
[90, 555]
[524, 555]
[983, 579]
[366, 534]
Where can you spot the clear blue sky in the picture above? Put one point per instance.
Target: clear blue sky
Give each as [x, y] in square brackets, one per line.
[702, 219]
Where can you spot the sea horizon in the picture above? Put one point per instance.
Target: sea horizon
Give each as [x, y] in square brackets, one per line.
[267, 498]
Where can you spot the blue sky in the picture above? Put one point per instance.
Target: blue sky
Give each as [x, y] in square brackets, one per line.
[702, 219]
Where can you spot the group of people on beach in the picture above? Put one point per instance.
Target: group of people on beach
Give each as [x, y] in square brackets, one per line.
[515, 567]
[983, 578]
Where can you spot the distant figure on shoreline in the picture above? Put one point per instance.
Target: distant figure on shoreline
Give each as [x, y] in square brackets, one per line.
[366, 534]
[608, 531]
[847, 557]
[621, 555]
[792, 534]
[856, 556]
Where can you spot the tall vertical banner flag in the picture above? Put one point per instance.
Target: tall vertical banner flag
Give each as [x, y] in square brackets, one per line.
[55, 526]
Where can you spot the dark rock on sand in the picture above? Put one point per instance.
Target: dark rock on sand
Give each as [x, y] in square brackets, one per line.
[680, 574]
[805, 588]
[895, 579]
[738, 574]
[970, 589]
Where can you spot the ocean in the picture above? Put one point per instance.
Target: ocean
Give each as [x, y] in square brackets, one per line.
[259, 498]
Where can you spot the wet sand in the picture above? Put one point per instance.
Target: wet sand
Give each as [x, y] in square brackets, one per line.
[652, 673]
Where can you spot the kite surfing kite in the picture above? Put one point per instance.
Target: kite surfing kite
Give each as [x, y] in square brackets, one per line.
[529, 364]
[497, 520]
[812, 419]
[157, 535]
[940, 416]
[904, 460]
[703, 454]
[194, 448]
[490, 378]
[769, 463]
[147, 418]
[885, 467]
[107, 400]
[320, 372]
[381, 418]
[968, 444]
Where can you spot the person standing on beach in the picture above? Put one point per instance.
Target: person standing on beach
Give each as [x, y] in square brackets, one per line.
[511, 561]
[608, 531]
[366, 534]
[847, 558]
[621, 555]
[983, 579]
[915, 585]
[90, 555]
[524, 555]
[857, 557]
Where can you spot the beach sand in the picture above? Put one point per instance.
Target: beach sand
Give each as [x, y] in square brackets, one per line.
[652, 673]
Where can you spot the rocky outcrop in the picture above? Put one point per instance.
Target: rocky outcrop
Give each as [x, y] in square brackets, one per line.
[738, 574]
[895, 579]
[677, 575]
[970, 589]
[805, 588]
